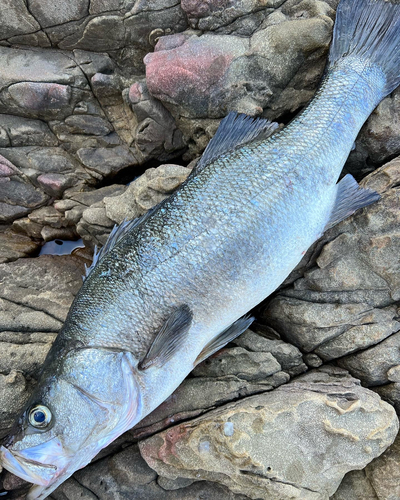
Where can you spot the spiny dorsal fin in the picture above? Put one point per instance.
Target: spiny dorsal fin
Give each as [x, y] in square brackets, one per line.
[169, 339]
[116, 235]
[349, 198]
[217, 343]
[234, 131]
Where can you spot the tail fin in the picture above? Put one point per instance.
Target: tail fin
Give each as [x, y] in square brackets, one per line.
[370, 30]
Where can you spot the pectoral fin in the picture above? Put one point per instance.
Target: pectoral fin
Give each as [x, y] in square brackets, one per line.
[169, 339]
[349, 198]
[223, 338]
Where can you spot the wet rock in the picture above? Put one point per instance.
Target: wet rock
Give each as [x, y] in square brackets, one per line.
[345, 305]
[258, 446]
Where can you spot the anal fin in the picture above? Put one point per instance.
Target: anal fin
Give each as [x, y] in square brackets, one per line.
[169, 339]
[349, 198]
[217, 343]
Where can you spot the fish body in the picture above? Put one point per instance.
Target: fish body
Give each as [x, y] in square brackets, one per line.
[170, 289]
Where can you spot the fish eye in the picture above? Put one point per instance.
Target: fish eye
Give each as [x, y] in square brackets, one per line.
[39, 416]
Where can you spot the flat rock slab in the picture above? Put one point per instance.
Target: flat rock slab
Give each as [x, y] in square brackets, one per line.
[295, 442]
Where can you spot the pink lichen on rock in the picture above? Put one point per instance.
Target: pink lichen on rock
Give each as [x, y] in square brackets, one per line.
[189, 72]
[40, 96]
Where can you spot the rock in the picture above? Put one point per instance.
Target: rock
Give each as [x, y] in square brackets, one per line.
[126, 475]
[355, 486]
[157, 135]
[34, 299]
[289, 357]
[144, 193]
[50, 13]
[258, 446]
[378, 481]
[345, 305]
[250, 365]
[16, 19]
[13, 390]
[27, 132]
[207, 76]
[95, 222]
[14, 246]
[107, 161]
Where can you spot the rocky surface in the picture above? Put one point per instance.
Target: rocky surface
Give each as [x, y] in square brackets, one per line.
[270, 446]
[96, 93]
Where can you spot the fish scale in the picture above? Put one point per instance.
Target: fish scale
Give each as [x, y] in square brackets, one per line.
[170, 289]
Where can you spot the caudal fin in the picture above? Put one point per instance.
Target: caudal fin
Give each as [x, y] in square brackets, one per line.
[369, 30]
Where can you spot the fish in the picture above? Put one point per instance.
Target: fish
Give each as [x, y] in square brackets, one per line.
[171, 288]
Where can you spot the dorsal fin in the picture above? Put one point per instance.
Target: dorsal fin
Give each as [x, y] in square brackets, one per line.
[170, 338]
[235, 130]
[116, 235]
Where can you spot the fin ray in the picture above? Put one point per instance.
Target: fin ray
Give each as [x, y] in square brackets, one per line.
[217, 343]
[169, 339]
[349, 198]
[235, 130]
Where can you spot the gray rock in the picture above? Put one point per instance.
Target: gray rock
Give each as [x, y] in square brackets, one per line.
[157, 135]
[107, 161]
[380, 480]
[355, 486]
[35, 297]
[289, 357]
[244, 364]
[49, 13]
[258, 446]
[14, 246]
[27, 132]
[15, 19]
[13, 390]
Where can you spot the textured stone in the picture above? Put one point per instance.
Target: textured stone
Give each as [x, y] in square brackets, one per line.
[209, 75]
[14, 246]
[157, 135]
[258, 446]
[145, 192]
[238, 361]
[15, 19]
[13, 390]
[49, 13]
[27, 132]
[107, 161]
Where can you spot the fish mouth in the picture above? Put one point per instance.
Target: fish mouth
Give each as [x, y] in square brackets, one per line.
[28, 469]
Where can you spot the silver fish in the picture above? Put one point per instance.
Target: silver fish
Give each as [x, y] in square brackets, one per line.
[172, 288]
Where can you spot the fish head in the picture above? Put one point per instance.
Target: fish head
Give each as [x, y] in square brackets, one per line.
[80, 408]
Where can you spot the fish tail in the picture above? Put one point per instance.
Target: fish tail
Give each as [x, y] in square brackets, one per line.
[369, 30]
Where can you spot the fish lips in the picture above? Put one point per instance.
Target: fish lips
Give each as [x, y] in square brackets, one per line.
[39, 464]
